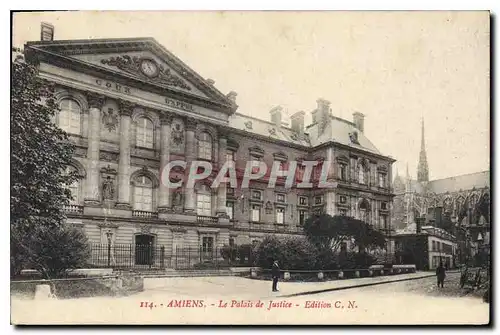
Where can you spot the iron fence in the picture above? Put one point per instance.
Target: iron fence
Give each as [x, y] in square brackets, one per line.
[132, 256]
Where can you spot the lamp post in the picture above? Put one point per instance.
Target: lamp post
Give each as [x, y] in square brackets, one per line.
[109, 235]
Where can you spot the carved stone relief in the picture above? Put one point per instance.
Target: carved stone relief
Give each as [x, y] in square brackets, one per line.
[108, 156]
[110, 119]
[108, 184]
[156, 72]
[177, 136]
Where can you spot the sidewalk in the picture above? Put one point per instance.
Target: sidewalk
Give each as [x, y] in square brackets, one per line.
[208, 287]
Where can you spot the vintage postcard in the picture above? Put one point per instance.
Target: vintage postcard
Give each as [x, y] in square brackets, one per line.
[250, 168]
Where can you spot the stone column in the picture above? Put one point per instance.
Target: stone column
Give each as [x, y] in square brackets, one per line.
[221, 191]
[92, 192]
[190, 202]
[126, 109]
[165, 134]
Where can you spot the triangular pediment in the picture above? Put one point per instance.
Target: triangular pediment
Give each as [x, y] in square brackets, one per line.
[139, 59]
[143, 65]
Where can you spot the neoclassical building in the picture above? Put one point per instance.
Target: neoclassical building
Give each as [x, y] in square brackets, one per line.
[131, 106]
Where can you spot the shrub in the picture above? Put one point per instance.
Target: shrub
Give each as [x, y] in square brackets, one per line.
[353, 260]
[51, 251]
[292, 253]
[268, 250]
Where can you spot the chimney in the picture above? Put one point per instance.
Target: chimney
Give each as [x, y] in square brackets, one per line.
[419, 222]
[232, 96]
[298, 122]
[359, 121]
[47, 32]
[322, 112]
[276, 115]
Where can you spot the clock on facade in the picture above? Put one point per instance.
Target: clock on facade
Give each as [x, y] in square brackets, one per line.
[149, 68]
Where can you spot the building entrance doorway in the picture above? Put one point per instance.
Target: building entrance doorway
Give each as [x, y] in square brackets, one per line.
[144, 251]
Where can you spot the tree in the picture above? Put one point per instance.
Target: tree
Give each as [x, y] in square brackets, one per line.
[41, 151]
[40, 154]
[328, 232]
[52, 251]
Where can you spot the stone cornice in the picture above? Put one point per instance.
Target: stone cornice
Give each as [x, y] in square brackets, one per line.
[39, 55]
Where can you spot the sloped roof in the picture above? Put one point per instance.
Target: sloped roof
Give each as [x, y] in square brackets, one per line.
[339, 130]
[464, 182]
[266, 128]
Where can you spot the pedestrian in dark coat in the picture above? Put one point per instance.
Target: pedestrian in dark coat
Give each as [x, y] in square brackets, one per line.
[441, 275]
[275, 273]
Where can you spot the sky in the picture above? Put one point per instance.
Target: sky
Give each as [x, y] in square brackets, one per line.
[396, 68]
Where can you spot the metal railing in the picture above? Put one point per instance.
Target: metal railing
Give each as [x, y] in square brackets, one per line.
[131, 256]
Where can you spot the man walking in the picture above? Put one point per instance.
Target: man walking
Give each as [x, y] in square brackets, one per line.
[275, 273]
[441, 274]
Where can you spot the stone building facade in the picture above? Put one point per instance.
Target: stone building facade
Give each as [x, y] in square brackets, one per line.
[459, 205]
[131, 106]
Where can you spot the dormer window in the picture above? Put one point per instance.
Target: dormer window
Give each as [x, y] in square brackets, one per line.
[280, 197]
[354, 137]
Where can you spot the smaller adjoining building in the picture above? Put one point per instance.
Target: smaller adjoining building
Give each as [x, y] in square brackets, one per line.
[425, 246]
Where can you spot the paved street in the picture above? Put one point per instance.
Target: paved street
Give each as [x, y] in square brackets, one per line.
[410, 302]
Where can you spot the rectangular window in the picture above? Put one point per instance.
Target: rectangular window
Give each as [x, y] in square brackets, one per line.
[433, 245]
[343, 199]
[381, 180]
[230, 157]
[303, 201]
[255, 163]
[280, 215]
[343, 212]
[342, 172]
[207, 244]
[230, 209]
[204, 204]
[230, 191]
[255, 213]
[256, 195]
[383, 205]
[301, 169]
[280, 197]
[383, 221]
[302, 217]
[318, 200]
[231, 242]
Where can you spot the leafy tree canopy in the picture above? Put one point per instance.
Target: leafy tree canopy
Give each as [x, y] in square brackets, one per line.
[328, 232]
[40, 151]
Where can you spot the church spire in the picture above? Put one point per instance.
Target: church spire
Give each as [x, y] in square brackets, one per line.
[423, 168]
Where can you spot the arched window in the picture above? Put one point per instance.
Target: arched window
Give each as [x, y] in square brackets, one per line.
[144, 133]
[74, 188]
[205, 146]
[204, 201]
[143, 194]
[364, 210]
[69, 117]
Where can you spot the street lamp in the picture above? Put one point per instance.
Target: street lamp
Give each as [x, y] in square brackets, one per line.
[109, 235]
